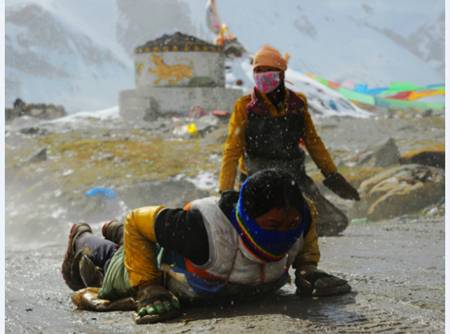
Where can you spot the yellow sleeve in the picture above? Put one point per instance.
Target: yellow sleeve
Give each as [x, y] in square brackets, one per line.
[310, 253]
[139, 246]
[315, 146]
[234, 145]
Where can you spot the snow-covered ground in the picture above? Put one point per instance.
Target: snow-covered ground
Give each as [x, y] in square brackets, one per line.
[104, 114]
[204, 181]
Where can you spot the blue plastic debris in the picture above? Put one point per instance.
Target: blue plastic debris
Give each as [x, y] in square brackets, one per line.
[101, 192]
[332, 105]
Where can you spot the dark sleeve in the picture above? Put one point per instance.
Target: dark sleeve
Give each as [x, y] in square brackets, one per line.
[183, 231]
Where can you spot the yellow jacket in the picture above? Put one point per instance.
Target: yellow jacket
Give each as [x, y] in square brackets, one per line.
[139, 242]
[234, 145]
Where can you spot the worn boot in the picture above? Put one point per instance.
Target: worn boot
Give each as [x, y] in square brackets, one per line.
[113, 231]
[70, 277]
[91, 275]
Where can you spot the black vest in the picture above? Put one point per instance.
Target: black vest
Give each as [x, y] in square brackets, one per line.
[275, 138]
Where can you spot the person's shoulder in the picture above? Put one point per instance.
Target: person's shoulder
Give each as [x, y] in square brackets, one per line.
[244, 99]
[241, 103]
[202, 202]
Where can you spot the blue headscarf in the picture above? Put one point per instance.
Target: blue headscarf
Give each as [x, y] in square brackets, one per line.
[267, 245]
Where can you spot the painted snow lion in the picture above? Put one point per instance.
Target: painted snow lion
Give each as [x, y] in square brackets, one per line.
[172, 73]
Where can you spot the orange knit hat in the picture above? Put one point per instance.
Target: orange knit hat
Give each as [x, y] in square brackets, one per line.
[269, 56]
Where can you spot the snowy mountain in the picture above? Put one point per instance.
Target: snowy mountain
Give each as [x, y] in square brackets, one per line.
[79, 53]
[374, 42]
[49, 60]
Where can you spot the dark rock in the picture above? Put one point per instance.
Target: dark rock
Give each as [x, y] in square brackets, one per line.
[33, 131]
[39, 156]
[19, 104]
[385, 155]
[427, 113]
[37, 110]
[430, 156]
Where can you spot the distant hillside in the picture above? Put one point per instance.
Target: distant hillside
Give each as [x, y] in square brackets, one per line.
[48, 60]
[79, 53]
[364, 41]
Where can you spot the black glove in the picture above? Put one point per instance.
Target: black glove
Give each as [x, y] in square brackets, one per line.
[311, 281]
[228, 199]
[339, 185]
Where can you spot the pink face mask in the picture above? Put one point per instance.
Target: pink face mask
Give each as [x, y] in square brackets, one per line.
[266, 82]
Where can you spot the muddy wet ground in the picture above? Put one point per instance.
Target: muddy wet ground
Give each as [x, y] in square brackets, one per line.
[396, 269]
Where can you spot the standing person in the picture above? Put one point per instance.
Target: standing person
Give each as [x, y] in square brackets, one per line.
[212, 250]
[265, 130]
